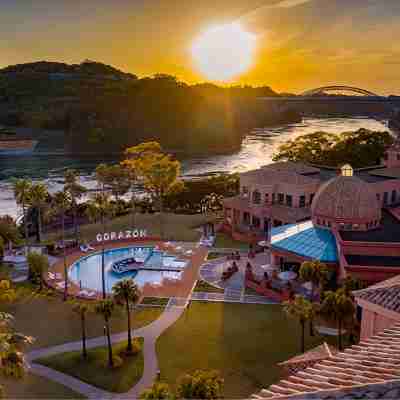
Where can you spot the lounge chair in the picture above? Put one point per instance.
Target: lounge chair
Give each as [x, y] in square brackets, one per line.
[91, 294]
[51, 276]
[83, 293]
[83, 248]
[89, 247]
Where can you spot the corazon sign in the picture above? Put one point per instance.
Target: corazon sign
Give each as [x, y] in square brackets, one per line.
[128, 234]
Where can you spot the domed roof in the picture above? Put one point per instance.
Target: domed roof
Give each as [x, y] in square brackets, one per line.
[346, 199]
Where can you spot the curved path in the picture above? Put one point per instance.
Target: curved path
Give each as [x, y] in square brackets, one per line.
[150, 333]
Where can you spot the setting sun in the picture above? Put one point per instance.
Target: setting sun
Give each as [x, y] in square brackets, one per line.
[224, 52]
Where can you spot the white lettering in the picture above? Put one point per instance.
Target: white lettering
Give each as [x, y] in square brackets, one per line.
[113, 236]
[143, 233]
[106, 237]
[120, 235]
[128, 234]
[135, 233]
[99, 237]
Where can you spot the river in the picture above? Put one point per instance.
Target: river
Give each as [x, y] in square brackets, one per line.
[257, 150]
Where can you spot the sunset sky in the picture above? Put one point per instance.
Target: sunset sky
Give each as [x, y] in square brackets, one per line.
[300, 44]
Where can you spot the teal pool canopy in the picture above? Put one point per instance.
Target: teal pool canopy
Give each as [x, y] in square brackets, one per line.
[306, 240]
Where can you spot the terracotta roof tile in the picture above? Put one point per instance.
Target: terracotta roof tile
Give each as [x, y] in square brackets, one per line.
[385, 294]
[373, 361]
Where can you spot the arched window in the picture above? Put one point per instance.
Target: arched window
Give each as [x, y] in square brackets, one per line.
[347, 170]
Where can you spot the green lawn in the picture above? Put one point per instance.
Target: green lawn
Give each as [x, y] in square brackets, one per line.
[245, 342]
[203, 286]
[95, 370]
[224, 241]
[52, 321]
[157, 301]
[36, 387]
[177, 227]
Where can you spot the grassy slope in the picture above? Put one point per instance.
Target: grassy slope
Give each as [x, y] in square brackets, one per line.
[52, 322]
[96, 372]
[244, 342]
[177, 227]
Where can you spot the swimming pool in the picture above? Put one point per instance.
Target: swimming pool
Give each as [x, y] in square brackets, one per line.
[87, 270]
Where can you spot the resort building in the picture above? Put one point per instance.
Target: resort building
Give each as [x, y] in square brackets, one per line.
[348, 219]
[369, 369]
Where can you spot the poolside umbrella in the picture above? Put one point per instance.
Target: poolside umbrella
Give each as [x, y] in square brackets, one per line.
[287, 276]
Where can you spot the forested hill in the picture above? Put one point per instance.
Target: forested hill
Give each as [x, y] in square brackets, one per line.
[104, 110]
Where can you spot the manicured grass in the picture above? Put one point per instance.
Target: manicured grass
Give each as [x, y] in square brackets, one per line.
[177, 227]
[226, 242]
[203, 286]
[52, 321]
[244, 342]
[95, 370]
[158, 301]
[35, 387]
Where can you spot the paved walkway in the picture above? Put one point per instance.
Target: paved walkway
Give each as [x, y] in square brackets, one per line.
[150, 333]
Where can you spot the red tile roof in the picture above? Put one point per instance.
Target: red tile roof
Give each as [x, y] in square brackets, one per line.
[318, 353]
[385, 294]
[373, 360]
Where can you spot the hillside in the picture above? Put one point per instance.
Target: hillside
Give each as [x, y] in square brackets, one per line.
[102, 109]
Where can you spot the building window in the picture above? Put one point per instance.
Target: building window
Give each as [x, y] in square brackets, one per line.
[385, 156]
[385, 198]
[398, 156]
[289, 200]
[246, 218]
[329, 224]
[394, 195]
[378, 197]
[245, 191]
[256, 222]
[281, 198]
[256, 197]
[266, 198]
[273, 198]
[302, 202]
[347, 170]
[312, 197]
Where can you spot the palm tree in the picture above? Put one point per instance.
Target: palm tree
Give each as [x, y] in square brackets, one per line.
[100, 207]
[127, 291]
[38, 199]
[8, 230]
[105, 308]
[22, 191]
[299, 308]
[82, 309]
[75, 191]
[340, 306]
[314, 272]
[61, 204]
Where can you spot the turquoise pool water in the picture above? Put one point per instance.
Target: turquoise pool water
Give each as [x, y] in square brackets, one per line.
[87, 270]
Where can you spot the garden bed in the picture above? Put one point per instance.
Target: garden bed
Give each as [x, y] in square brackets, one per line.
[203, 286]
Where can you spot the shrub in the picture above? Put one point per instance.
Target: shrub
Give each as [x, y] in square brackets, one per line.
[159, 391]
[201, 385]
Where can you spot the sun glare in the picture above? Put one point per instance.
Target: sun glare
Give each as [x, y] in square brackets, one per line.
[224, 52]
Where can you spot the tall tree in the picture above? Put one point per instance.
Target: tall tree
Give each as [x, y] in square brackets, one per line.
[75, 191]
[22, 191]
[158, 172]
[8, 230]
[128, 292]
[130, 169]
[38, 265]
[100, 207]
[38, 199]
[82, 309]
[340, 306]
[314, 272]
[106, 308]
[61, 204]
[211, 205]
[299, 308]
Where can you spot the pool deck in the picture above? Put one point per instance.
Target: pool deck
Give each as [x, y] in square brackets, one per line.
[169, 288]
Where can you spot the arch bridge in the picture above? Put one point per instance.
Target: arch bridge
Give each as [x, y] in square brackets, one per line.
[342, 88]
